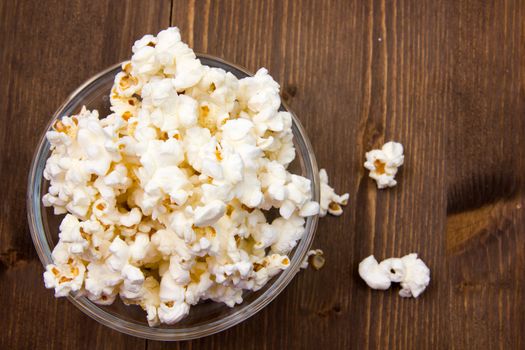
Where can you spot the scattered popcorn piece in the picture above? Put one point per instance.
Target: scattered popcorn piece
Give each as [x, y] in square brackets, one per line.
[168, 199]
[410, 271]
[375, 276]
[416, 277]
[384, 163]
[330, 201]
[315, 258]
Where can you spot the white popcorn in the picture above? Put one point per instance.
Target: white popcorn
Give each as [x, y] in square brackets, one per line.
[384, 163]
[169, 243]
[101, 283]
[330, 202]
[195, 291]
[209, 214]
[70, 232]
[374, 275]
[173, 306]
[409, 271]
[131, 288]
[291, 230]
[168, 198]
[416, 277]
[64, 278]
[142, 250]
[151, 300]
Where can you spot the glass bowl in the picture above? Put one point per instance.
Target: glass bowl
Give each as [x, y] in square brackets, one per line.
[207, 317]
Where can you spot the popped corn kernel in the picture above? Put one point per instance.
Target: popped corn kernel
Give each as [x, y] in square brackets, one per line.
[384, 164]
[410, 271]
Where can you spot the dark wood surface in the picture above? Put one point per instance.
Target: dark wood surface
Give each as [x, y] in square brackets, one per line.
[445, 78]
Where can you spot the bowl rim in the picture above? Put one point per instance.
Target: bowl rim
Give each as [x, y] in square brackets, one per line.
[43, 248]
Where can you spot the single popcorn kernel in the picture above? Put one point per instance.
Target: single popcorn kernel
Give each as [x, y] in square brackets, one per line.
[380, 167]
[384, 163]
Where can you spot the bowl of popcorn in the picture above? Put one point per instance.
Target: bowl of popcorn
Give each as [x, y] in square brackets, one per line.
[173, 195]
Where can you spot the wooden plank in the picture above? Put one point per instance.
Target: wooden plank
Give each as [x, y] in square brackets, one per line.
[447, 79]
[47, 50]
[485, 171]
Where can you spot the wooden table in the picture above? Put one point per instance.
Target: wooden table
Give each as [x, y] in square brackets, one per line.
[445, 78]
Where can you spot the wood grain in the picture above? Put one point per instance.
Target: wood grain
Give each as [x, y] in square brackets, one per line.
[445, 78]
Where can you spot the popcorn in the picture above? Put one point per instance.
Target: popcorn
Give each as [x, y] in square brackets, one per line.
[101, 283]
[291, 230]
[315, 258]
[70, 232]
[151, 300]
[209, 214]
[172, 308]
[416, 277]
[374, 275]
[330, 202]
[384, 163]
[65, 278]
[409, 271]
[168, 198]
